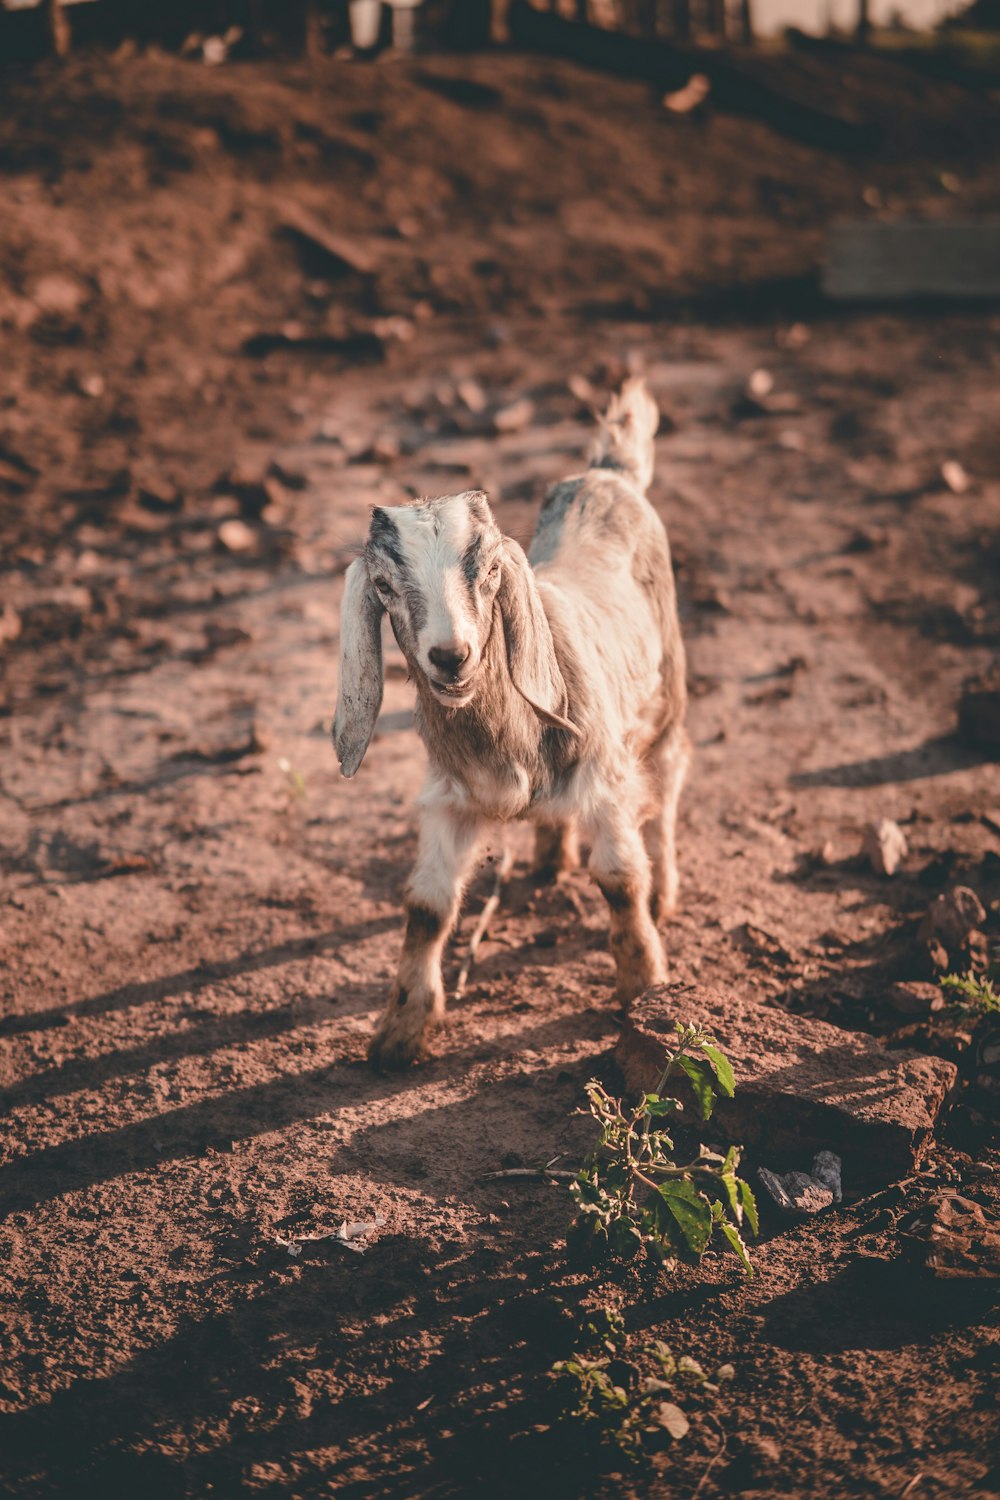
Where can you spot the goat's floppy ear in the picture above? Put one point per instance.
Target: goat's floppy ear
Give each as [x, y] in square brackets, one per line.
[359, 690]
[531, 656]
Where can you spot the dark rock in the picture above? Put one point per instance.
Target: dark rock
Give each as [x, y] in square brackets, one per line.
[914, 999]
[801, 1085]
[951, 917]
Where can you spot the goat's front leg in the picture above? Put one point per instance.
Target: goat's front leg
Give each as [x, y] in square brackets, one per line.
[620, 865]
[449, 839]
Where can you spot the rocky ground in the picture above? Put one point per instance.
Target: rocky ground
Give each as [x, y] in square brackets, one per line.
[240, 306]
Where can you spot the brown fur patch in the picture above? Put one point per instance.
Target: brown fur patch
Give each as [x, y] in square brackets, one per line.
[620, 895]
[423, 924]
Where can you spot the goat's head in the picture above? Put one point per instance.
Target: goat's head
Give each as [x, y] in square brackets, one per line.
[445, 575]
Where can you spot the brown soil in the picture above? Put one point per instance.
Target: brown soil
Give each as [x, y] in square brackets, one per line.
[200, 918]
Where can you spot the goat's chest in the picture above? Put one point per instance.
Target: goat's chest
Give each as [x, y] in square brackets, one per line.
[501, 789]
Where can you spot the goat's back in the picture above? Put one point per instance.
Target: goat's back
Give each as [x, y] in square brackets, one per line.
[602, 561]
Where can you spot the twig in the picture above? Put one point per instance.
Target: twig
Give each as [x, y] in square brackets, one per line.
[485, 918]
[720, 1450]
[536, 1174]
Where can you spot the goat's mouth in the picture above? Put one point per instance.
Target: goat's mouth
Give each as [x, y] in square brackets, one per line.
[455, 694]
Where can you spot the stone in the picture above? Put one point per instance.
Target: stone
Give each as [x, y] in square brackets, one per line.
[951, 917]
[802, 1085]
[237, 536]
[914, 999]
[796, 1192]
[884, 846]
[953, 1237]
[515, 417]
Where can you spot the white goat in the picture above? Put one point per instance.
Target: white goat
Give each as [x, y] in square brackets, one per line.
[552, 689]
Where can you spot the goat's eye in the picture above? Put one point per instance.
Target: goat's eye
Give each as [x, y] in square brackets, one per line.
[383, 588]
[492, 574]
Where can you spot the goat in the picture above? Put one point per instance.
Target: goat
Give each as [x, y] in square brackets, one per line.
[549, 686]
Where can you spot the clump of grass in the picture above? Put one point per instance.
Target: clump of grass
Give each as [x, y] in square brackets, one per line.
[633, 1195]
[970, 994]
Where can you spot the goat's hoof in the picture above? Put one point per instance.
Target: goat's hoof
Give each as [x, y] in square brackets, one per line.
[661, 907]
[630, 988]
[391, 1054]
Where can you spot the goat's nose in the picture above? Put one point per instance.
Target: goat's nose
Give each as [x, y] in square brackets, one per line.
[451, 657]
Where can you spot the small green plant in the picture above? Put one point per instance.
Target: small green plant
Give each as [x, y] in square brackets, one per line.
[295, 782]
[973, 995]
[627, 1421]
[631, 1193]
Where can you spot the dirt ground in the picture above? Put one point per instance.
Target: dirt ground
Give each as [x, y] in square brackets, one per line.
[200, 919]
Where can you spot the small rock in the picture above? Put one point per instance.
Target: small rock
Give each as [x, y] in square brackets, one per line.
[214, 51]
[806, 1192]
[951, 917]
[937, 957]
[796, 1192]
[760, 384]
[694, 93]
[91, 385]
[953, 1238]
[10, 624]
[914, 999]
[472, 395]
[826, 1168]
[58, 296]
[955, 476]
[515, 417]
[158, 494]
[237, 536]
[884, 846]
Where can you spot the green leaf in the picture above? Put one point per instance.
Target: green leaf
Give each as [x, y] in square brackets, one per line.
[673, 1420]
[625, 1238]
[663, 1355]
[702, 1079]
[749, 1206]
[729, 1182]
[656, 1106]
[690, 1367]
[691, 1210]
[733, 1236]
[724, 1074]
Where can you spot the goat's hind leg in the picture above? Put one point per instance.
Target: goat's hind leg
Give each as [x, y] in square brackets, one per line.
[666, 767]
[620, 865]
[557, 849]
[447, 850]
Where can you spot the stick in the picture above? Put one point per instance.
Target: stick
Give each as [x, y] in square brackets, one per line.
[485, 918]
[711, 1465]
[529, 1174]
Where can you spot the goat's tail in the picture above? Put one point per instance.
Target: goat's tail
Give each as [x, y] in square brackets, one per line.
[625, 441]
